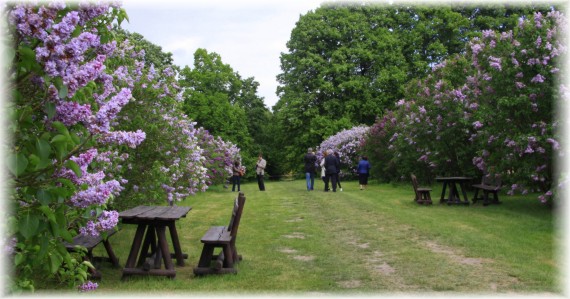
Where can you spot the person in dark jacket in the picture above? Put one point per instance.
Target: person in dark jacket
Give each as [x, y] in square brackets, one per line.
[236, 176]
[331, 168]
[337, 155]
[363, 170]
[310, 169]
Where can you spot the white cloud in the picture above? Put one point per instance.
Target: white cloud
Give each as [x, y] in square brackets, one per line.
[249, 35]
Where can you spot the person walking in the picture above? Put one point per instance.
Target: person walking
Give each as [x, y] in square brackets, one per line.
[310, 169]
[363, 170]
[236, 176]
[331, 168]
[337, 155]
[323, 171]
[260, 171]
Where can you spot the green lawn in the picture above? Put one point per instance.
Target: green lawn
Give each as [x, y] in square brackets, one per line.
[375, 241]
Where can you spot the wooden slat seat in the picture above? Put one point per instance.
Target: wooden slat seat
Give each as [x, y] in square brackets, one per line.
[489, 184]
[89, 243]
[422, 194]
[225, 238]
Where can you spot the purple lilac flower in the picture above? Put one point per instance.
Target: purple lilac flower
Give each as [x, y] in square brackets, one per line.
[88, 286]
[132, 139]
[538, 19]
[71, 113]
[495, 62]
[10, 246]
[554, 143]
[109, 111]
[538, 79]
[96, 195]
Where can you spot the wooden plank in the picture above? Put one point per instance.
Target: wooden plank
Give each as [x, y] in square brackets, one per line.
[88, 241]
[152, 214]
[213, 234]
[131, 213]
[174, 213]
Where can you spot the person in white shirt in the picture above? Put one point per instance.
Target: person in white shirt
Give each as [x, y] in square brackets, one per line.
[260, 170]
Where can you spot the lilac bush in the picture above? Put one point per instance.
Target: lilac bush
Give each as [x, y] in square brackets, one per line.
[63, 112]
[348, 143]
[95, 128]
[490, 110]
[219, 156]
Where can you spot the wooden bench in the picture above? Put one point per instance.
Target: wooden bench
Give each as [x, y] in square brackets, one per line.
[422, 194]
[224, 237]
[489, 184]
[89, 242]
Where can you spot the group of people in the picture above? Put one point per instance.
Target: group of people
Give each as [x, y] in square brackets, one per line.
[238, 171]
[330, 170]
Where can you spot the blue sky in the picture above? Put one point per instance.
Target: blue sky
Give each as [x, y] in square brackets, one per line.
[249, 35]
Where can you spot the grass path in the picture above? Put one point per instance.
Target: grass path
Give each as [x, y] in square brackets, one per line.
[370, 242]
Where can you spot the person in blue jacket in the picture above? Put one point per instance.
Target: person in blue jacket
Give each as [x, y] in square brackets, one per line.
[363, 170]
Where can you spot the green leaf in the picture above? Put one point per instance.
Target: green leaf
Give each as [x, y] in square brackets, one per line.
[29, 225]
[50, 109]
[59, 139]
[19, 258]
[55, 261]
[34, 160]
[17, 164]
[61, 128]
[63, 92]
[43, 147]
[48, 212]
[27, 57]
[44, 197]
[73, 166]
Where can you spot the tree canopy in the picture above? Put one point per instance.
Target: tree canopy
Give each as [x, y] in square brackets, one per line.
[347, 63]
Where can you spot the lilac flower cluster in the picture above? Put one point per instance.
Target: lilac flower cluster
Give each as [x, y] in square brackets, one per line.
[348, 143]
[219, 156]
[88, 286]
[105, 222]
[132, 139]
[78, 60]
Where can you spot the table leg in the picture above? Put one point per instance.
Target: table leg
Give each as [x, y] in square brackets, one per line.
[149, 243]
[453, 195]
[442, 199]
[462, 186]
[136, 246]
[163, 246]
[176, 243]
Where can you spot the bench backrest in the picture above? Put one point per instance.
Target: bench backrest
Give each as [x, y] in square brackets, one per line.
[236, 215]
[415, 184]
[491, 180]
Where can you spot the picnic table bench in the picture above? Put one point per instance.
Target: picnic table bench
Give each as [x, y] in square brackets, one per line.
[89, 242]
[224, 237]
[155, 249]
[422, 194]
[455, 185]
[489, 184]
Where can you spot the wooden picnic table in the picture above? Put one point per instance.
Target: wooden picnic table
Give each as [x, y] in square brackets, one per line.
[453, 183]
[153, 220]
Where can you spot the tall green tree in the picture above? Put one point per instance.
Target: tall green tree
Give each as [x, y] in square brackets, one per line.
[348, 63]
[209, 98]
[226, 104]
[342, 68]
